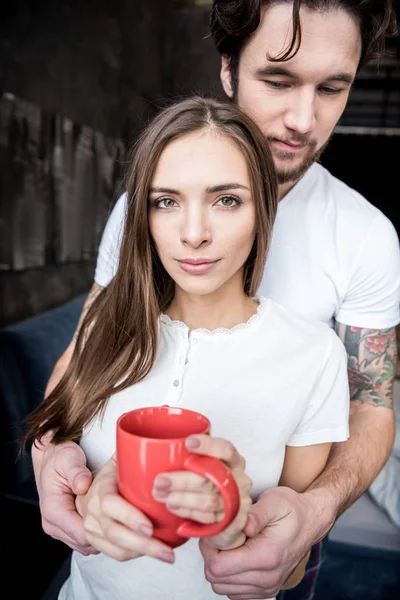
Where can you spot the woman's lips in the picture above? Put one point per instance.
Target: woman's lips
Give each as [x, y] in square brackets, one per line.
[197, 267]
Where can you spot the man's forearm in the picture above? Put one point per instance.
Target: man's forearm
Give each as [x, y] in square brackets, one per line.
[353, 465]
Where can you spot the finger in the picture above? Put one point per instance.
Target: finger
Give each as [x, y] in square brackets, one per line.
[184, 481]
[243, 481]
[217, 447]
[109, 549]
[233, 535]
[87, 550]
[112, 507]
[209, 552]
[242, 590]
[122, 554]
[125, 543]
[196, 515]
[245, 593]
[81, 483]
[236, 562]
[75, 542]
[211, 503]
[268, 509]
[248, 582]
[72, 522]
[251, 596]
[71, 465]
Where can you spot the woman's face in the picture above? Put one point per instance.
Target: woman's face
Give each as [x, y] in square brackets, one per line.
[202, 215]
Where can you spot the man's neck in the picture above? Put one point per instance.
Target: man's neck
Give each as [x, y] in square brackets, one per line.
[284, 188]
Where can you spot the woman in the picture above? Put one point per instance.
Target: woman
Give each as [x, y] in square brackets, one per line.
[181, 324]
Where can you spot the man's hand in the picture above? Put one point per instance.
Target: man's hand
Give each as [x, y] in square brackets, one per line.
[61, 473]
[113, 525]
[281, 531]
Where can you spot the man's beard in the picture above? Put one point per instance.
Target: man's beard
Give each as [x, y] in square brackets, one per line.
[287, 175]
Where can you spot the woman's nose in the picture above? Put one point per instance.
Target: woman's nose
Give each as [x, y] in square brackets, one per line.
[196, 229]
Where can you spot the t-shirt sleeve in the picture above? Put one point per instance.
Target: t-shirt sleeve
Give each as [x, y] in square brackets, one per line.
[327, 415]
[372, 300]
[110, 244]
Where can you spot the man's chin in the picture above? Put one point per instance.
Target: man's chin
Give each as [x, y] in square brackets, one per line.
[289, 175]
[288, 172]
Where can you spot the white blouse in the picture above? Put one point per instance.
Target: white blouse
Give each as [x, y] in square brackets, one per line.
[278, 380]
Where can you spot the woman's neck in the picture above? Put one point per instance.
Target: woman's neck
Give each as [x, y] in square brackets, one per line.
[226, 307]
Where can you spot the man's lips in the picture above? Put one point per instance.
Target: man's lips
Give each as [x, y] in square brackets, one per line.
[289, 146]
[197, 265]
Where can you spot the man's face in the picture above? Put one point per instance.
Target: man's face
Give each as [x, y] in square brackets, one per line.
[297, 103]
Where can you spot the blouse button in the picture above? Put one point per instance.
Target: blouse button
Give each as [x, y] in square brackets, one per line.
[194, 340]
[176, 383]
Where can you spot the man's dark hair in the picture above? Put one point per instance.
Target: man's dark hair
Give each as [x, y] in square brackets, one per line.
[232, 22]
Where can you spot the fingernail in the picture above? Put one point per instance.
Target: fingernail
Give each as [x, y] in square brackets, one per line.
[146, 530]
[81, 477]
[192, 443]
[253, 519]
[173, 508]
[160, 493]
[162, 482]
[167, 556]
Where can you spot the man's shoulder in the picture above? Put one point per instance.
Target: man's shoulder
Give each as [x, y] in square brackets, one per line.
[341, 196]
[299, 329]
[329, 204]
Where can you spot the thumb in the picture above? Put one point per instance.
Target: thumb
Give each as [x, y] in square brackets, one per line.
[267, 510]
[73, 467]
[82, 482]
[208, 552]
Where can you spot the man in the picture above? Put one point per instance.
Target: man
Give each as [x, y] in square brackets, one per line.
[333, 257]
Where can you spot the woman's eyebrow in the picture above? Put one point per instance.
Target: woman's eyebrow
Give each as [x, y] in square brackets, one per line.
[163, 190]
[224, 187]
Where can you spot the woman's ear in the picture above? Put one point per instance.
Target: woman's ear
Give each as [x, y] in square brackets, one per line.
[225, 75]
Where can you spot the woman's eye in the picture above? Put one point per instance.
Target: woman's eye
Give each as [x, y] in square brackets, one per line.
[228, 201]
[165, 203]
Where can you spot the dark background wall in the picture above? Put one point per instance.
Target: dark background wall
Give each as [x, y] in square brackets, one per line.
[77, 81]
[102, 64]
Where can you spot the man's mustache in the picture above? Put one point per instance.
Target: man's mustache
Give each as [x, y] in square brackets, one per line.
[304, 140]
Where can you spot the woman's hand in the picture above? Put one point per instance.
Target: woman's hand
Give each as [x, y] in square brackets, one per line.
[191, 496]
[112, 525]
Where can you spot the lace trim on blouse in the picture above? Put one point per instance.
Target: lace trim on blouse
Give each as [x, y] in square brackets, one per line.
[262, 303]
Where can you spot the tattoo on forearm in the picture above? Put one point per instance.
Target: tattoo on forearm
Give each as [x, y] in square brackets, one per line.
[92, 295]
[372, 356]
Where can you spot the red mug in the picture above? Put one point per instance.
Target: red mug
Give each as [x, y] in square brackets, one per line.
[150, 441]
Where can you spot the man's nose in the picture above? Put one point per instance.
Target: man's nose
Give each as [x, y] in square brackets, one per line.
[300, 115]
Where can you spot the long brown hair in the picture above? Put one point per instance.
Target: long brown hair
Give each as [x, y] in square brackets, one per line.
[117, 342]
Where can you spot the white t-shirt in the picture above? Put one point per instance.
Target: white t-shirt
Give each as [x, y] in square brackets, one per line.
[277, 380]
[333, 257]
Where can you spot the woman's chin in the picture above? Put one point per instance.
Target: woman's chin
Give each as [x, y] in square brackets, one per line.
[199, 287]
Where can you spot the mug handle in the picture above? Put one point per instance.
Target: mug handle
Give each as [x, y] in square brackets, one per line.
[218, 473]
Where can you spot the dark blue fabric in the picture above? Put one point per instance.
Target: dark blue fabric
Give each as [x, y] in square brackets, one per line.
[305, 590]
[29, 351]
